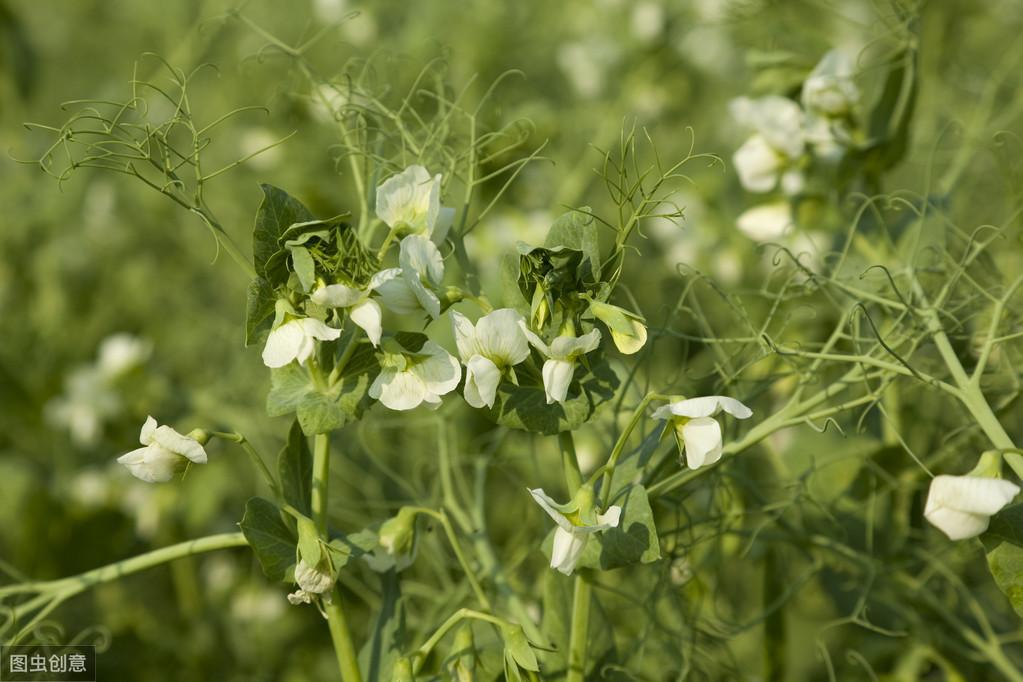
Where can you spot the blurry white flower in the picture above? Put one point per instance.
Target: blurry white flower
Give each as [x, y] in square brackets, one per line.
[120, 353]
[409, 379]
[312, 582]
[767, 222]
[561, 356]
[295, 340]
[256, 605]
[259, 147]
[647, 20]
[627, 329]
[90, 488]
[330, 11]
[165, 452]
[409, 202]
[422, 270]
[577, 521]
[584, 64]
[696, 431]
[771, 154]
[962, 506]
[363, 310]
[487, 348]
[830, 89]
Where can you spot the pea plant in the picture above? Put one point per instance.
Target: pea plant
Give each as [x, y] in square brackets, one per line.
[379, 315]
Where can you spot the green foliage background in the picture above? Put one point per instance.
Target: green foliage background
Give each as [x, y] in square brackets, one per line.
[806, 558]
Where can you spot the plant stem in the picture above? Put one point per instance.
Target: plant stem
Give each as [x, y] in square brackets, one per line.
[581, 596]
[573, 476]
[580, 629]
[69, 587]
[261, 466]
[344, 648]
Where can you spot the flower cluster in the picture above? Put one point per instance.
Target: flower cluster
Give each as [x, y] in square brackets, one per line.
[792, 138]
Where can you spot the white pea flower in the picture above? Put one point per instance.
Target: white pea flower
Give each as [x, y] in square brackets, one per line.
[767, 222]
[422, 270]
[577, 521]
[296, 340]
[830, 89]
[487, 348]
[961, 506]
[410, 202]
[627, 329]
[409, 379]
[363, 310]
[696, 430]
[165, 452]
[120, 353]
[771, 155]
[559, 367]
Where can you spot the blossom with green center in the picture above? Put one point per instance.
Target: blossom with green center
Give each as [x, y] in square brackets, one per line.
[408, 379]
[561, 356]
[165, 452]
[422, 269]
[409, 203]
[295, 339]
[697, 433]
[488, 348]
[363, 310]
[577, 521]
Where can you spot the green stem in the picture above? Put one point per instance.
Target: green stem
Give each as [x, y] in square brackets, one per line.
[69, 587]
[573, 476]
[580, 629]
[449, 531]
[619, 446]
[257, 460]
[581, 598]
[344, 648]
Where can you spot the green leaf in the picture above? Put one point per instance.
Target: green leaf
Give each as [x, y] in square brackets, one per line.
[295, 470]
[309, 542]
[378, 656]
[259, 309]
[289, 386]
[525, 407]
[576, 230]
[270, 538]
[303, 266]
[516, 644]
[345, 547]
[1006, 564]
[633, 541]
[277, 212]
[292, 390]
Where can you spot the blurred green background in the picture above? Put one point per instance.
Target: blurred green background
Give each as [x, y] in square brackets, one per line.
[100, 256]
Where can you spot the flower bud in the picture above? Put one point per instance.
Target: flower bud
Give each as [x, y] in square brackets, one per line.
[627, 329]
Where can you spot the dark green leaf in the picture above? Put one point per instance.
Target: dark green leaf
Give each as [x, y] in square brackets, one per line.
[295, 470]
[633, 541]
[259, 310]
[525, 407]
[277, 212]
[576, 230]
[270, 538]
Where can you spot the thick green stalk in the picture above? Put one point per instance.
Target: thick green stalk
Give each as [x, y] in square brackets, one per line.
[344, 648]
[580, 629]
[581, 595]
